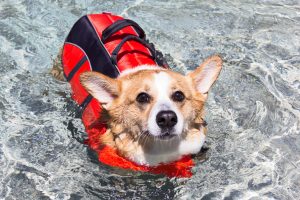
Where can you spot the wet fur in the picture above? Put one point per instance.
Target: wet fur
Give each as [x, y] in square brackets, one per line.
[57, 68]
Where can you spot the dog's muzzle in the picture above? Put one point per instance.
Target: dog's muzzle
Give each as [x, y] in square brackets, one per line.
[166, 120]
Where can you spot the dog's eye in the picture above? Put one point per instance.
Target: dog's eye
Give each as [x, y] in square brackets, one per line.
[143, 97]
[178, 96]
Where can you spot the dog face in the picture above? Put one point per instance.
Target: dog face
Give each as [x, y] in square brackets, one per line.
[154, 115]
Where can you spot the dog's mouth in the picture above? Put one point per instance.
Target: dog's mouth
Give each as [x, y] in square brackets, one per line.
[166, 135]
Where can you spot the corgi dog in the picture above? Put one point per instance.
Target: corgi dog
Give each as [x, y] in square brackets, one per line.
[153, 115]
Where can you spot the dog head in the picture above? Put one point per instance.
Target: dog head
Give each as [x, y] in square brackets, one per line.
[154, 115]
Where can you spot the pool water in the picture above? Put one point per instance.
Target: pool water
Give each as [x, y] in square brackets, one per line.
[253, 111]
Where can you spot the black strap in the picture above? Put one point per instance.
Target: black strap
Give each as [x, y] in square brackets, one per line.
[118, 25]
[86, 102]
[76, 68]
[114, 55]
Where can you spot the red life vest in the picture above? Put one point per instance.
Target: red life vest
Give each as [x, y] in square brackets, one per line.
[109, 44]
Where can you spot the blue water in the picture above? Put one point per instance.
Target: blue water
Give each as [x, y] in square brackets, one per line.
[253, 111]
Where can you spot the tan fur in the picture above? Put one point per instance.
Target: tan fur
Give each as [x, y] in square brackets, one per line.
[57, 68]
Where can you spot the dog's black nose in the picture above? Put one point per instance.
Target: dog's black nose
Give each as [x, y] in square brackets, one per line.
[166, 119]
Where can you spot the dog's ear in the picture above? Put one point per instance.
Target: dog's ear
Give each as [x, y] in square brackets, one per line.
[206, 74]
[103, 88]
